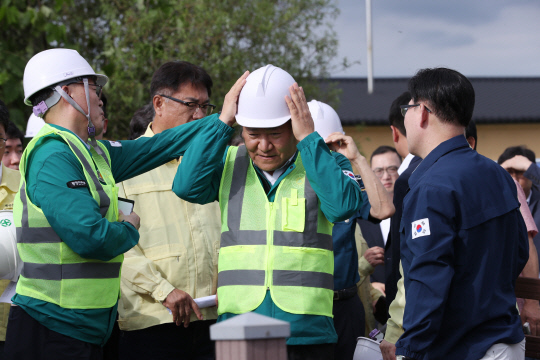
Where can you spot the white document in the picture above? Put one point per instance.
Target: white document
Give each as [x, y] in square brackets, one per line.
[8, 293]
[204, 302]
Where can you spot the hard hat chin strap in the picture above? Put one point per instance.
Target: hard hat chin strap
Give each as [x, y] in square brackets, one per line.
[91, 127]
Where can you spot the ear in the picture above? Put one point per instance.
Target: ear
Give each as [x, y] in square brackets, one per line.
[158, 103]
[425, 117]
[395, 134]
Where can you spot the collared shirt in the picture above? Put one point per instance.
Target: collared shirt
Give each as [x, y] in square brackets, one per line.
[456, 231]
[74, 215]
[405, 164]
[9, 185]
[178, 248]
[199, 178]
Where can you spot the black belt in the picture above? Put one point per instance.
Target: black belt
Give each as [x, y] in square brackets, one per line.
[345, 294]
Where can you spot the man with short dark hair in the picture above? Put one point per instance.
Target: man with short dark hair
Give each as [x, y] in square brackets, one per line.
[520, 162]
[14, 147]
[456, 231]
[175, 260]
[9, 185]
[410, 162]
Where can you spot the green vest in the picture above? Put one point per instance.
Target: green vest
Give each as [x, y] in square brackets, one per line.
[283, 246]
[52, 272]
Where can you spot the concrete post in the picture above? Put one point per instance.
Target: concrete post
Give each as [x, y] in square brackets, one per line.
[251, 336]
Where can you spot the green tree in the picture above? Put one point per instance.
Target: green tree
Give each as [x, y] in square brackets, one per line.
[129, 39]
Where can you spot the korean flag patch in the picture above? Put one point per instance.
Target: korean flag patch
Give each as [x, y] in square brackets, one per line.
[350, 175]
[420, 228]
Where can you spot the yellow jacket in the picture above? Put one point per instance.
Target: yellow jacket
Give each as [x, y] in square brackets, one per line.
[9, 185]
[367, 293]
[394, 325]
[178, 248]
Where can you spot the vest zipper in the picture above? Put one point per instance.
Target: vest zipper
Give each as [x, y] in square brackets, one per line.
[270, 236]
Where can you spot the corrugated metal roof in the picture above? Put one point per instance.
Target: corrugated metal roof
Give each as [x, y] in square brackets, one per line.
[498, 100]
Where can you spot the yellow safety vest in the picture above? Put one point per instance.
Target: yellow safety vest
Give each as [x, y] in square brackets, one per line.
[283, 246]
[53, 272]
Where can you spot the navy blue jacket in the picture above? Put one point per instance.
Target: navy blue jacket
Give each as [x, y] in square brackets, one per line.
[461, 261]
[391, 251]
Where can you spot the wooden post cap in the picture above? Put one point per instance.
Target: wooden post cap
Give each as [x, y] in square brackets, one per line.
[250, 326]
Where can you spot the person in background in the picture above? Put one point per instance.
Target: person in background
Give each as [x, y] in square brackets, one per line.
[385, 162]
[349, 311]
[14, 147]
[401, 186]
[175, 260]
[520, 162]
[140, 120]
[9, 185]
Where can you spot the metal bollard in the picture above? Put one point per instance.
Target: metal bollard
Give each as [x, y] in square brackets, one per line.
[251, 336]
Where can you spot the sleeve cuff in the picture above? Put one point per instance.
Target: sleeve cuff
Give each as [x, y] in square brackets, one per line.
[221, 126]
[313, 137]
[364, 267]
[393, 331]
[162, 291]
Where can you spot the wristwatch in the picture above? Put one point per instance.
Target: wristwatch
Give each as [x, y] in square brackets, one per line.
[402, 357]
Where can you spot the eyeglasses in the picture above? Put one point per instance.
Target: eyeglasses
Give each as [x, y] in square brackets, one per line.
[391, 170]
[2, 142]
[99, 88]
[404, 108]
[206, 108]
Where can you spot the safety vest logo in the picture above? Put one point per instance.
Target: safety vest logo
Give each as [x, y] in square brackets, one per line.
[5, 222]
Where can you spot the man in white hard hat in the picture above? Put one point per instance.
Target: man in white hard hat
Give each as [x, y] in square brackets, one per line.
[9, 184]
[71, 235]
[349, 312]
[279, 194]
[176, 258]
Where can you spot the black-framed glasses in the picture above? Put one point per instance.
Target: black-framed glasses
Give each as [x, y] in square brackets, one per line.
[99, 88]
[404, 108]
[391, 170]
[206, 108]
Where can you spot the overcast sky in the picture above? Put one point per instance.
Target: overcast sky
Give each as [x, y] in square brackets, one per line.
[475, 37]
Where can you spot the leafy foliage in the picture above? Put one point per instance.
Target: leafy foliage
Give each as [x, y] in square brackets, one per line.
[129, 39]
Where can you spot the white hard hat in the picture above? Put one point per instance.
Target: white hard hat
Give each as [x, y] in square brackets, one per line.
[325, 118]
[367, 349]
[35, 124]
[10, 262]
[53, 66]
[262, 100]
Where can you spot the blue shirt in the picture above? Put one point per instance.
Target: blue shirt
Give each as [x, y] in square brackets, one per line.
[74, 215]
[463, 244]
[198, 180]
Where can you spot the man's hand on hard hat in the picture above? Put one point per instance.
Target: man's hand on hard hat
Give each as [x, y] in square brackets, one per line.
[230, 104]
[132, 218]
[181, 303]
[388, 350]
[302, 123]
[375, 256]
[518, 162]
[344, 145]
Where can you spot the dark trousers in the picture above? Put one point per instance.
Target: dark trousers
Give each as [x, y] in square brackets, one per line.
[350, 322]
[168, 341]
[28, 339]
[310, 352]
